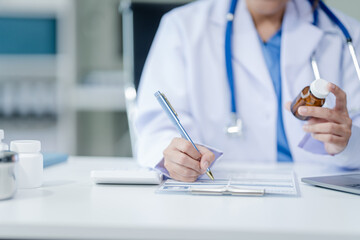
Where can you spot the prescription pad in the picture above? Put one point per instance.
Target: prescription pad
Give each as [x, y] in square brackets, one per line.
[254, 182]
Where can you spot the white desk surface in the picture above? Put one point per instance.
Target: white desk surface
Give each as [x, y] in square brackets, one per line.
[70, 206]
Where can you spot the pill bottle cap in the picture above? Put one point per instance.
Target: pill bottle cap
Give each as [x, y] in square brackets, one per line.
[25, 146]
[319, 88]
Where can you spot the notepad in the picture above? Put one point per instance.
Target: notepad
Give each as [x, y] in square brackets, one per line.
[242, 183]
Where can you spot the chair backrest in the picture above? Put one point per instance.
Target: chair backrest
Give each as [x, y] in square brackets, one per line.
[140, 21]
[146, 19]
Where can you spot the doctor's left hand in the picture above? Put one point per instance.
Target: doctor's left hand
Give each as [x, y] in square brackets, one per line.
[330, 126]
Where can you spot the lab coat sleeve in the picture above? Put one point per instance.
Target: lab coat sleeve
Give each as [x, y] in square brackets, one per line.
[349, 158]
[164, 70]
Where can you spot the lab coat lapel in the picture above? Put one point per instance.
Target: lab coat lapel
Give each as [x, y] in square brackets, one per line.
[300, 38]
[247, 50]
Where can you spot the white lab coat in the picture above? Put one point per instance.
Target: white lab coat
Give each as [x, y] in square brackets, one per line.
[187, 63]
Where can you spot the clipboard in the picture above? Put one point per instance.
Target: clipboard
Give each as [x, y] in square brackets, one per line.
[230, 190]
[240, 183]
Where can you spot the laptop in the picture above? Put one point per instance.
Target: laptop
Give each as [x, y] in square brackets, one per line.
[349, 183]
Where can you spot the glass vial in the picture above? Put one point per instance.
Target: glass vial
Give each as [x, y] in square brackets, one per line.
[8, 181]
[30, 166]
[313, 95]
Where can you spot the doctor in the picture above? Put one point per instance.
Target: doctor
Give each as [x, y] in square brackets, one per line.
[272, 43]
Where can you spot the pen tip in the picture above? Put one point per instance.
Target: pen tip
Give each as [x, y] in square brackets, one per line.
[210, 175]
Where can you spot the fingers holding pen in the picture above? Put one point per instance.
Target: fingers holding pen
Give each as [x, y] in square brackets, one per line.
[184, 162]
[186, 147]
[179, 171]
[182, 173]
[182, 159]
[207, 158]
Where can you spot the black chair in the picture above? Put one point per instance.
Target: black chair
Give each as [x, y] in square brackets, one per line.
[140, 21]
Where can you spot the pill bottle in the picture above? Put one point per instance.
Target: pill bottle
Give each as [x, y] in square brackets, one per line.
[3, 146]
[313, 95]
[30, 166]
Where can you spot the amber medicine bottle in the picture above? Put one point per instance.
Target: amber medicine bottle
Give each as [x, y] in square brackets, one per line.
[313, 95]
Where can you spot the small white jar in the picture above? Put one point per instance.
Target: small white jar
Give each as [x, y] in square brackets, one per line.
[30, 165]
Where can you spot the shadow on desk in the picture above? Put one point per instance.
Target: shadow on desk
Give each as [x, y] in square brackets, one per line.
[56, 183]
[24, 194]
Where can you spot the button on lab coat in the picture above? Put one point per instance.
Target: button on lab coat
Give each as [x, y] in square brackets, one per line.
[187, 63]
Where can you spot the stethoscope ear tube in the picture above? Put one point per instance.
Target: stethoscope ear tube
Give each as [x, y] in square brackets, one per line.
[354, 58]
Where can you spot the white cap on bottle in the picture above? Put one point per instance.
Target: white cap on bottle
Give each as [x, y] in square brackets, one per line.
[25, 146]
[319, 88]
[3, 146]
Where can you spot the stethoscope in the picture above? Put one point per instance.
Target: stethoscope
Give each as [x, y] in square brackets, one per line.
[235, 128]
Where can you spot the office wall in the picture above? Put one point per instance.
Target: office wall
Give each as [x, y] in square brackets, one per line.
[98, 36]
[100, 132]
[350, 7]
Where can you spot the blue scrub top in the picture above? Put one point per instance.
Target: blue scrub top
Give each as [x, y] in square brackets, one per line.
[271, 52]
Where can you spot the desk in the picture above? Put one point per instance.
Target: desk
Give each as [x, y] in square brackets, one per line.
[70, 206]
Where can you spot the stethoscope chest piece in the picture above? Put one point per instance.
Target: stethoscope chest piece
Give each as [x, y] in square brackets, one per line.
[235, 128]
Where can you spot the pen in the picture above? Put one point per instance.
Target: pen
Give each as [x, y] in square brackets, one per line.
[165, 104]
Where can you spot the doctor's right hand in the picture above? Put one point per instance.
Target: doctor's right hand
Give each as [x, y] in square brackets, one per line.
[184, 163]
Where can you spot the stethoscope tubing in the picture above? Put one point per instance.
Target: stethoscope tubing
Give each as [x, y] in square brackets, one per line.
[228, 53]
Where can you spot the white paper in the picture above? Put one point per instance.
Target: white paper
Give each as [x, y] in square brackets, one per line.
[277, 182]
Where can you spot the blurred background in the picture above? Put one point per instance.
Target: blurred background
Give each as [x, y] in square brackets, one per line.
[69, 70]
